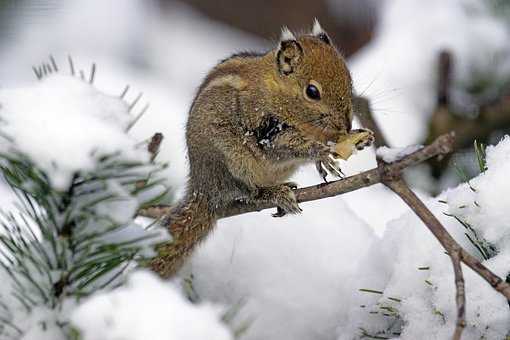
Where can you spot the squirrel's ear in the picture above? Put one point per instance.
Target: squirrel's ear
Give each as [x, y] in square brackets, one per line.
[289, 52]
[318, 31]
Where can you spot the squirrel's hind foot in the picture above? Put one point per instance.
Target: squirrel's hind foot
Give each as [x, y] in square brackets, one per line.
[282, 196]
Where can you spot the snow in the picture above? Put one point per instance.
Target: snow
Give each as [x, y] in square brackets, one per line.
[74, 128]
[489, 215]
[290, 275]
[482, 205]
[64, 125]
[427, 309]
[390, 155]
[147, 308]
[41, 324]
[295, 277]
[397, 71]
[276, 267]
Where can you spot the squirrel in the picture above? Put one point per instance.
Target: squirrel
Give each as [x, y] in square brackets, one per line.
[255, 119]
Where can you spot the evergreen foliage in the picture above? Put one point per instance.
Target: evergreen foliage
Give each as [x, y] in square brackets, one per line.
[59, 246]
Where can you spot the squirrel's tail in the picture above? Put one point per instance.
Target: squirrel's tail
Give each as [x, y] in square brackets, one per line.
[189, 223]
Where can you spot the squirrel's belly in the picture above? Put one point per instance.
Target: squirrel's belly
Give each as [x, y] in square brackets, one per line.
[270, 173]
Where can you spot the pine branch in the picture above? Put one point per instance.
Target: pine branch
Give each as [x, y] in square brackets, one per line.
[71, 243]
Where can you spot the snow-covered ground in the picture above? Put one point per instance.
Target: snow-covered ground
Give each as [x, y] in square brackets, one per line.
[415, 277]
[296, 277]
[148, 308]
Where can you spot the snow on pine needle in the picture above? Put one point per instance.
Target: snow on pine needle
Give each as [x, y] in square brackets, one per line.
[76, 175]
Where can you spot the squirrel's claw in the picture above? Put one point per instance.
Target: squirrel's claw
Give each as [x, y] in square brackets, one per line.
[281, 196]
[323, 173]
[326, 163]
[287, 205]
[285, 200]
[279, 212]
[329, 165]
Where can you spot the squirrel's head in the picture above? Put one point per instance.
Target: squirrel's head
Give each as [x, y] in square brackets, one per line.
[313, 85]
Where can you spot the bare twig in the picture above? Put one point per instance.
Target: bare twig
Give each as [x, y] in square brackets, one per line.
[452, 247]
[387, 174]
[398, 185]
[154, 145]
[157, 211]
[460, 296]
[153, 148]
[444, 79]
[395, 182]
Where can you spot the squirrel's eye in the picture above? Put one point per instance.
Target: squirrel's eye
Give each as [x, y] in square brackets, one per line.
[312, 91]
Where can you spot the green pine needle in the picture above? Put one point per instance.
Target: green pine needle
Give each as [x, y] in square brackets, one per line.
[58, 245]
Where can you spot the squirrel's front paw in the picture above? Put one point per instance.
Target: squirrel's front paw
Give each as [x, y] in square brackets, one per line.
[354, 140]
[367, 139]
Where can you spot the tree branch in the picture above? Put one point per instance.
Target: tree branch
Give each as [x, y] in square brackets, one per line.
[460, 297]
[395, 182]
[440, 146]
[452, 247]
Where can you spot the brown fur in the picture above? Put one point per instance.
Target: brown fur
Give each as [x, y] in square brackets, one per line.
[228, 165]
